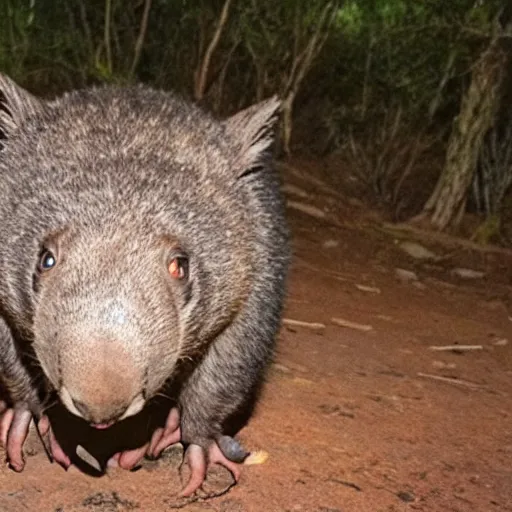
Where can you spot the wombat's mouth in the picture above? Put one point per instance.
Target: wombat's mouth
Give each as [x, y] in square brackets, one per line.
[102, 426]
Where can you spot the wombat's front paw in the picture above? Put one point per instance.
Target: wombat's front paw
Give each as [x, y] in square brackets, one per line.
[200, 464]
[14, 428]
[162, 438]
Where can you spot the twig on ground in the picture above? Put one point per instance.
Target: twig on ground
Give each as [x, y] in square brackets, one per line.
[299, 323]
[351, 325]
[451, 380]
[369, 289]
[308, 209]
[462, 348]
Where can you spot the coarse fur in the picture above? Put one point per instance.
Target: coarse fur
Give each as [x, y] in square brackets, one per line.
[115, 183]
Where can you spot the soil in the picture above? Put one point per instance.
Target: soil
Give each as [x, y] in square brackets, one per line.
[365, 417]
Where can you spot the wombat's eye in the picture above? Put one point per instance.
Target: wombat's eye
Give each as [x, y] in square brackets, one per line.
[178, 267]
[47, 261]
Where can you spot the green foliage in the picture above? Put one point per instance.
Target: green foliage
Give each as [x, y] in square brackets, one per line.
[380, 54]
[408, 43]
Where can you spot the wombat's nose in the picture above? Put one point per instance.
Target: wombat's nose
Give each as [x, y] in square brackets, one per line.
[95, 415]
[103, 413]
[101, 380]
[88, 414]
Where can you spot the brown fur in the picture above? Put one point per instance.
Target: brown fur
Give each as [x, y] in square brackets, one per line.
[115, 181]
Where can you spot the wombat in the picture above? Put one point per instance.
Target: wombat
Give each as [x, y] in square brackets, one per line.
[143, 247]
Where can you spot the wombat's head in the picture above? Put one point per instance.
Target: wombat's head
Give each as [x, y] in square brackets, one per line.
[126, 244]
[110, 314]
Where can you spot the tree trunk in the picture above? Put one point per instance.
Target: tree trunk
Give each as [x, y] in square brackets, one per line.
[448, 201]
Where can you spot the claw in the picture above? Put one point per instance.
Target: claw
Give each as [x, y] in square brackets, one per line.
[5, 425]
[198, 463]
[16, 434]
[155, 440]
[195, 457]
[58, 453]
[216, 456]
[131, 458]
[43, 431]
[170, 435]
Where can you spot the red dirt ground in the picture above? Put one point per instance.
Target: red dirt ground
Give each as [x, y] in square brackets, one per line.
[352, 420]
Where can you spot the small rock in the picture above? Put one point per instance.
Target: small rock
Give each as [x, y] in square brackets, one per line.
[441, 365]
[467, 273]
[87, 457]
[232, 505]
[256, 458]
[405, 275]
[335, 410]
[172, 456]
[330, 244]
[501, 342]
[417, 251]
[108, 501]
[368, 289]
[303, 382]
[281, 368]
[408, 497]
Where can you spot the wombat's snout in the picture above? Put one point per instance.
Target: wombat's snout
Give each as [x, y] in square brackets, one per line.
[108, 389]
[101, 415]
[98, 415]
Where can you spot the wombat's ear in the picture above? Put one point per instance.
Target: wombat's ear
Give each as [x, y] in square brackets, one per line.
[252, 132]
[16, 105]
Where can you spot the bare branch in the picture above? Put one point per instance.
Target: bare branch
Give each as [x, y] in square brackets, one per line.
[140, 39]
[200, 85]
[314, 45]
[302, 63]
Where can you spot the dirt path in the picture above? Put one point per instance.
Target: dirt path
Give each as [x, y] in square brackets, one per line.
[352, 419]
